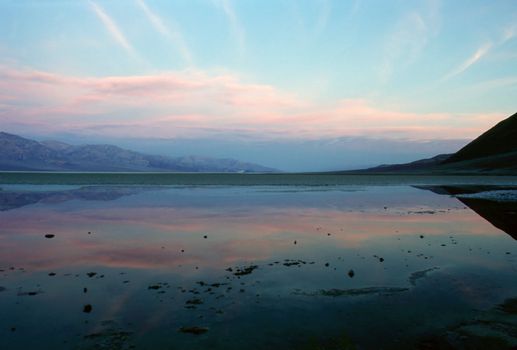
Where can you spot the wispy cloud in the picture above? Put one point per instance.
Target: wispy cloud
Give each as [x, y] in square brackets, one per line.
[479, 54]
[323, 17]
[409, 38]
[198, 104]
[234, 23]
[508, 34]
[404, 44]
[174, 36]
[112, 27]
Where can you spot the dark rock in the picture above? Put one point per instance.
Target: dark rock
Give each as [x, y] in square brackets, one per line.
[32, 293]
[194, 330]
[87, 308]
[245, 270]
[509, 306]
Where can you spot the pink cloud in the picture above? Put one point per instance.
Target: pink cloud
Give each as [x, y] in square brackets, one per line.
[193, 103]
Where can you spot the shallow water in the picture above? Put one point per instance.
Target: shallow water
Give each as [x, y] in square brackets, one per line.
[260, 267]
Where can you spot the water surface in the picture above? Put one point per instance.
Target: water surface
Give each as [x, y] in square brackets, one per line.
[257, 267]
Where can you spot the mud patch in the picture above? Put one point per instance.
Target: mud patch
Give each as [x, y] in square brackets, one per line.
[353, 292]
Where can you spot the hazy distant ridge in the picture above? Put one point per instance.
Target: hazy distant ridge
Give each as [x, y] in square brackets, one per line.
[18, 153]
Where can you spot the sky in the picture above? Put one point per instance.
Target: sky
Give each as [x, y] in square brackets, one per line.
[299, 85]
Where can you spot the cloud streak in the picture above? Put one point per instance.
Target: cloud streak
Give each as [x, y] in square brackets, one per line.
[478, 55]
[234, 23]
[174, 36]
[508, 34]
[112, 27]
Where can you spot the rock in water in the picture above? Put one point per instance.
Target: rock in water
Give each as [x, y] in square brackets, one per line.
[194, 330]
[87, 308]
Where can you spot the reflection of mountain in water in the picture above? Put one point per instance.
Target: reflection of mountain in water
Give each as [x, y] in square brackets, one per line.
[15, 199]
[501, 214]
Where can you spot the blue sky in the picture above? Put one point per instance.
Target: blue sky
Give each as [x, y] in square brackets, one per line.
[346, 83]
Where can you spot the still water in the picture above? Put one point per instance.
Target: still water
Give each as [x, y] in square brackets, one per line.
[254, 267]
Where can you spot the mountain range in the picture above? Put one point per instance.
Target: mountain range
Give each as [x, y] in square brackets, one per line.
[493, 152]
[22, 154]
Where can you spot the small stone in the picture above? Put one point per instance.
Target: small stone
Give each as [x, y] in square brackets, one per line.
[194, 330]
[87, 308]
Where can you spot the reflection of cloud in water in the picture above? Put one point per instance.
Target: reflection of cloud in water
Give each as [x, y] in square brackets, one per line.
[133, 236]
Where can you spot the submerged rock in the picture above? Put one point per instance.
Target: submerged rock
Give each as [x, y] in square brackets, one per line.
[420, 274]
[194, 330]
[288, 262]
[87, 308]
[108, 337]
[245, 270]
[32, 293]
[509, 306]
[355, 292]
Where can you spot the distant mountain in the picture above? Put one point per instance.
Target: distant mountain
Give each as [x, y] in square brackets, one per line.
[500, 139]
[18, 153]
[422, 164]
[494, 152]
